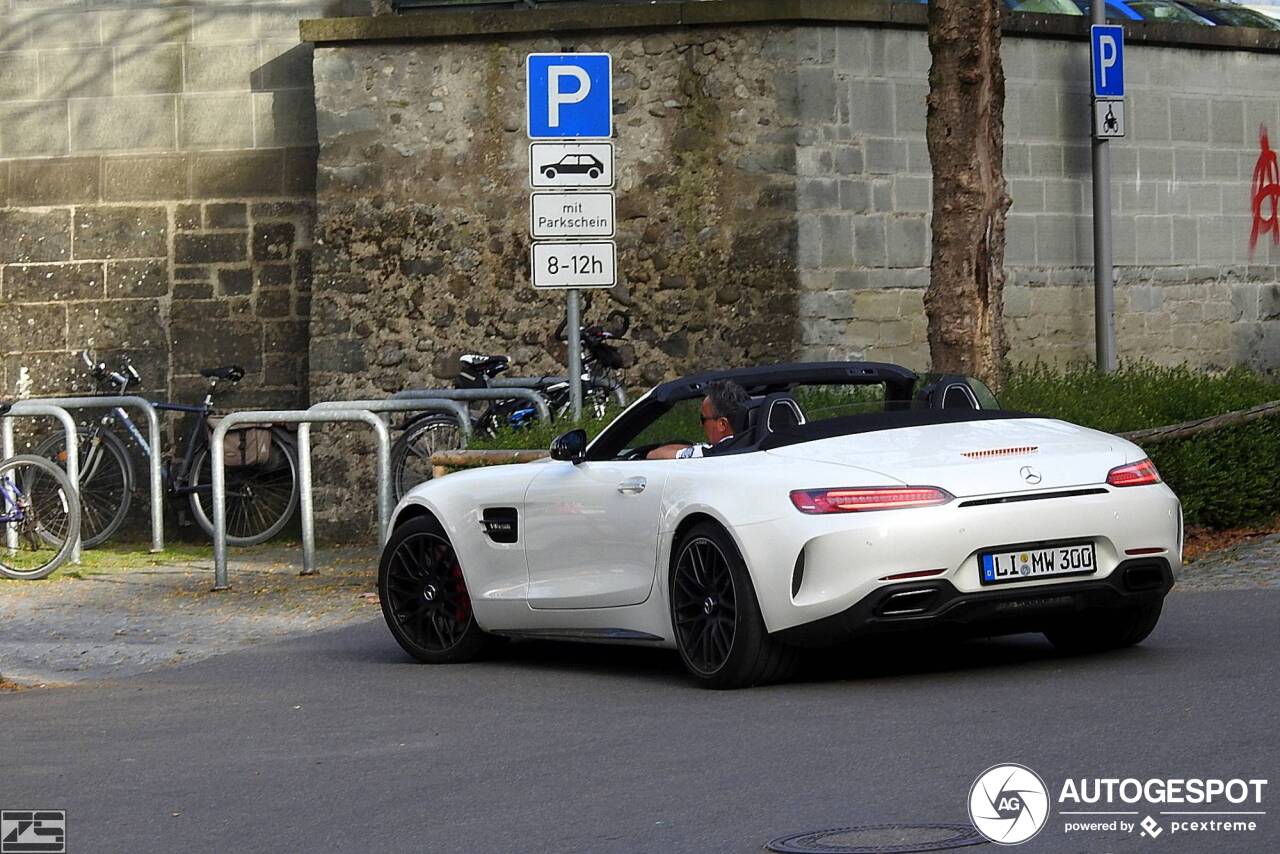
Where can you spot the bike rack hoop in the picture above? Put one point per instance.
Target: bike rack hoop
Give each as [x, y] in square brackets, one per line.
[452, 407]
[539, 402]
[388, 405]
[34, 409]
[305, 418]
[618, 392]
[154, 461]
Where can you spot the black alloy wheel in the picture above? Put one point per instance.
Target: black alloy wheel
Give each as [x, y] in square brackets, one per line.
[424, 595]
[704, 605]
[716, 618]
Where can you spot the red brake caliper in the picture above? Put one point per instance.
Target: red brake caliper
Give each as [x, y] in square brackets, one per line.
[463, 612]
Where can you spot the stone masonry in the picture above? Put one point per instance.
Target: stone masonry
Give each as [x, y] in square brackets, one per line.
[157, 171]
[1188, 286]
[422, 238]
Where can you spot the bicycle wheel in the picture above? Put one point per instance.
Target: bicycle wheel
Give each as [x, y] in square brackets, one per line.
[261, 499]
[39, 517]
[106, 474]
[411, 453]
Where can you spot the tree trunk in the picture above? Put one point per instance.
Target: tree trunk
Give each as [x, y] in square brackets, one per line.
[965, 130]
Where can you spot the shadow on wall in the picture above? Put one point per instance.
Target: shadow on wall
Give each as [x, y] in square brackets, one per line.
[76, 82]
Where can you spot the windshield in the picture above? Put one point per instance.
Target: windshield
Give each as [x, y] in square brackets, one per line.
[1229, 16]
[1046, 7]
[649, 424]
[1166, 12]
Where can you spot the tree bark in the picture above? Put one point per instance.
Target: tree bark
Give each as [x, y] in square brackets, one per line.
[965, 131]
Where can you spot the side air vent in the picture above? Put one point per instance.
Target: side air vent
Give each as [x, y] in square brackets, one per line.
[1039, 496]
[501, 524]
[797, 575]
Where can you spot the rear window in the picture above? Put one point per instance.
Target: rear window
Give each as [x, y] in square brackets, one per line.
[819, 402]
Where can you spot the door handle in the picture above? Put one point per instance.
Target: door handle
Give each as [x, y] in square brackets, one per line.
[632, 486]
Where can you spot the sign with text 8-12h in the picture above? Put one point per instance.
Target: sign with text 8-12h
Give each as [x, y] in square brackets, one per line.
[570, 95]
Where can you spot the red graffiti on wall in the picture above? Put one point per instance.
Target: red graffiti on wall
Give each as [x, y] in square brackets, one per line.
[1266, 194]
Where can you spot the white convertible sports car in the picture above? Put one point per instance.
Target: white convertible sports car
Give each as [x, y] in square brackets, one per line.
[852, 498]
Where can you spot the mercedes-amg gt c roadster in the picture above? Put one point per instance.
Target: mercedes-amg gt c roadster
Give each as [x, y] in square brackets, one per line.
[851, 499]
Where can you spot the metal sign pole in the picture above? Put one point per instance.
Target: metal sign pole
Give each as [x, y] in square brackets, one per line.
[1104, 320]
[574, 328]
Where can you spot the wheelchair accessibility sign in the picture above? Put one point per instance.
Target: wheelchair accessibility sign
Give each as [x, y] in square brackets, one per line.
[570, 95]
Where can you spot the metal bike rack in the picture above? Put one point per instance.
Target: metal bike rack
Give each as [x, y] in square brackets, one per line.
[386, 406]
[305, 418]
[380, 407]
[618, 392]
[154, 462]
[539, 402]
[32, 409]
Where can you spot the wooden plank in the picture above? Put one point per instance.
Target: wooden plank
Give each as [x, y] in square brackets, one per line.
[1203, 425]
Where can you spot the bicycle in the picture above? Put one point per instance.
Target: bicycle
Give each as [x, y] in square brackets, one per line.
[39, 516]
[262, 465]
[423, 435]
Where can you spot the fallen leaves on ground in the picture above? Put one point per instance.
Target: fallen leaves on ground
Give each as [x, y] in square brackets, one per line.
[1202, 541]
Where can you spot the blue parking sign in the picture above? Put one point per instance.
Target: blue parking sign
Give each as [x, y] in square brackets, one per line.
[570, 95]
[1107, 52]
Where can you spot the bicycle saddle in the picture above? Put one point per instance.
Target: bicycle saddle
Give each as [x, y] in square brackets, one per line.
[232, 373]
[483, 365]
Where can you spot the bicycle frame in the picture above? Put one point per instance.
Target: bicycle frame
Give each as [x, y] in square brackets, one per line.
[177, 479]
[10, 497]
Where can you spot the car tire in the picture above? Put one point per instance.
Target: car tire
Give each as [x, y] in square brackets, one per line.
[593, 174]
[1097, 631]
[550, 173]
[424, 595]
[715, 616]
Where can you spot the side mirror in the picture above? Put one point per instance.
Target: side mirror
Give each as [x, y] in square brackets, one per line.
[570, 447]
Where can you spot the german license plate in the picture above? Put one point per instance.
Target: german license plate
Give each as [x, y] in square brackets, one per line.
[1028, 564]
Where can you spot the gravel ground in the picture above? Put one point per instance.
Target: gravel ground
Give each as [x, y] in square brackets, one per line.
[107, 625]
[115, 623]
[1251, 564]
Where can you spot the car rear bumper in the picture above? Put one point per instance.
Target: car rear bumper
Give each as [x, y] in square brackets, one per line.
[1010, 609]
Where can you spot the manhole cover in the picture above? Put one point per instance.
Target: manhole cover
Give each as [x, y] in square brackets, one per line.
[878, 839]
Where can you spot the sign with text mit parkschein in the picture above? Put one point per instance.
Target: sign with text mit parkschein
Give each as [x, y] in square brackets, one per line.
[569, 105]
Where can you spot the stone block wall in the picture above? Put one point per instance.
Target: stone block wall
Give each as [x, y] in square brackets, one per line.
[1190, 287]
[422, 242]
[423, 223]
[157, 171]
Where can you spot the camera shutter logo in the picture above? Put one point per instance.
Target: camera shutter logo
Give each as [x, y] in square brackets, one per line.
[1008, 804]
[33, 831]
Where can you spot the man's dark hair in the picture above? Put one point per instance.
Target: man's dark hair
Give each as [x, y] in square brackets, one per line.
[728, 400]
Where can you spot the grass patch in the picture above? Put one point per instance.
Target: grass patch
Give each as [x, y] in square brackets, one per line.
[135, 557]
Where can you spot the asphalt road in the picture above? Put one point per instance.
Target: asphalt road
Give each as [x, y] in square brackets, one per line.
[335, 742]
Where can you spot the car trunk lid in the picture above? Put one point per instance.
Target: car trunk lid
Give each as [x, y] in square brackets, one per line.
[974, 458]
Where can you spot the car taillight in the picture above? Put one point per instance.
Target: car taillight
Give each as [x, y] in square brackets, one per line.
[1140, 473]
[861, 499]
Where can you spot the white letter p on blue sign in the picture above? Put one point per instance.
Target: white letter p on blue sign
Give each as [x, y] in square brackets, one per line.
[570, 95]
[1107, 43]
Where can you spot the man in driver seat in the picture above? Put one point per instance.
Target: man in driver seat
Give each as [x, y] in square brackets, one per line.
[722, 409]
